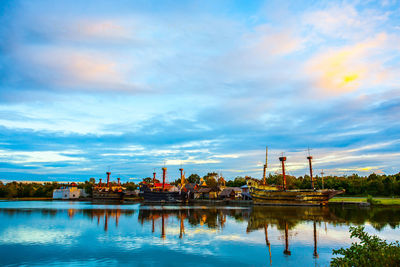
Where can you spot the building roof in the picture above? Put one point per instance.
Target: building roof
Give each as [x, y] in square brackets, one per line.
[205, 190]
[227, 192]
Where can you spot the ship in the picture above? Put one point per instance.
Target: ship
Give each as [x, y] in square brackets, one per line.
[264, 194]
[161, 192]
[108, 191]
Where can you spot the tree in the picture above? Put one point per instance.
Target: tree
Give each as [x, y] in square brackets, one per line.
[211, 181]
[148, 180]
[194, 178]
[371, 251]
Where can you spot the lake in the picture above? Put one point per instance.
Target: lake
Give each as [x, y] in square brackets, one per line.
[59, 233]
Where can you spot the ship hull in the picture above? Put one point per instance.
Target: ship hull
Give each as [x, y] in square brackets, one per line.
[292, 197]
[108, 195]
[157, 196]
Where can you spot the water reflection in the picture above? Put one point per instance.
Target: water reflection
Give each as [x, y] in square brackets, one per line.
[235, 231]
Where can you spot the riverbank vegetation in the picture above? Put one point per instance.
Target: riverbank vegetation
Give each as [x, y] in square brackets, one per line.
[370, 251]
[354, 185]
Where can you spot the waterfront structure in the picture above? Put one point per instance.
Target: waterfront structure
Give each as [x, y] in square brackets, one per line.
[108, 191]
[280, 195]
[68, 192]
[165, 193]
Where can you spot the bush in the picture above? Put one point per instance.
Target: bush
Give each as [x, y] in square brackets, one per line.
[371, 251]
[372, 201]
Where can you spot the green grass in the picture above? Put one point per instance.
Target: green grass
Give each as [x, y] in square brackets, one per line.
[348, 199]
[382, 200]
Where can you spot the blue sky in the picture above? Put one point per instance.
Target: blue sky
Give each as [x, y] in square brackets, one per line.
[87, 86]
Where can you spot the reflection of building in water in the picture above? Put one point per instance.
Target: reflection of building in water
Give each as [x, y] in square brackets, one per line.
[212, 218]
[107, 214]
[286, 219]
[268, 243]
[287, 251]
[315, 240]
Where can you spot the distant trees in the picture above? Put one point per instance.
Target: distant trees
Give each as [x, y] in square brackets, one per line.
[374, 185]
[237, 182]
[18, 190]
[130, 186]
[148, 180]
[194, 178]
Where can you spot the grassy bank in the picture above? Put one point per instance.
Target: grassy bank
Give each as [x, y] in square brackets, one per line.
[381, 200]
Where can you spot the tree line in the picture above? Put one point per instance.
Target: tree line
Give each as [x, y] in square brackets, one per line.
[355, 185]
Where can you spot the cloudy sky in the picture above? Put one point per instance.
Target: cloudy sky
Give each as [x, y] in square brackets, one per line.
[128, 86]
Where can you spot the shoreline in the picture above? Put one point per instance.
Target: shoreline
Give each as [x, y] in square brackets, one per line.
[360, 201]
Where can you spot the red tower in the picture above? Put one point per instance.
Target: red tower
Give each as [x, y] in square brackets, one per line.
[164, 174]
[283, 159]
[108, 179]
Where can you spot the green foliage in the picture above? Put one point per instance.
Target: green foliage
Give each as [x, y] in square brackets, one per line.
[372, 201]
[18, 190]
[237, 182]
[194, 178]
[130, 186]
[371, 251]
[211, 179]
[148, 180]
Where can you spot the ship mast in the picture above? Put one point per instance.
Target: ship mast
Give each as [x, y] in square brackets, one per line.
[265, 166]
[283, 159]
[311, 172]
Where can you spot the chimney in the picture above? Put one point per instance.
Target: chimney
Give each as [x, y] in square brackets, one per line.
[182, 177]
[154, 178]
[108, 179]
[119, 181]
[164, 174]
[283, 159]
[100, 182]
[312, 178]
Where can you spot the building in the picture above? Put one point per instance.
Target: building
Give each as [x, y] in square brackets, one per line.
[245, 192]
[68, 192]
[231, 193]
[207, 193]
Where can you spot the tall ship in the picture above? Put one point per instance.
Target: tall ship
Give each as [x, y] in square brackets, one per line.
[108, 191]
[162, 192]
[264, 194]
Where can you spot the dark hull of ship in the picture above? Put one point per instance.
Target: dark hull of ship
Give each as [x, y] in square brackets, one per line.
[159, 196]
[292, 197]
[108, 195]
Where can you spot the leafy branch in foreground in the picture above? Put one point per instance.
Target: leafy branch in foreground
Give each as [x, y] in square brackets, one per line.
[371, 251]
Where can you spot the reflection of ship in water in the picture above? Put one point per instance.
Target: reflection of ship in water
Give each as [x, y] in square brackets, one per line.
[104, 215]
[286, 219]
[212, 218]
[267, 219]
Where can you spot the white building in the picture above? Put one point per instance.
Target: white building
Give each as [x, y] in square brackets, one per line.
[68, 192]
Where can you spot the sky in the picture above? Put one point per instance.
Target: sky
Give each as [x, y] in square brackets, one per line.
[132, 86]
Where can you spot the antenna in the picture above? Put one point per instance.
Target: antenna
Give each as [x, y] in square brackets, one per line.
[308, 150]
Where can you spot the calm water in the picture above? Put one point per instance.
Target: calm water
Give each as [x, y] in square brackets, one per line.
[58, 233]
